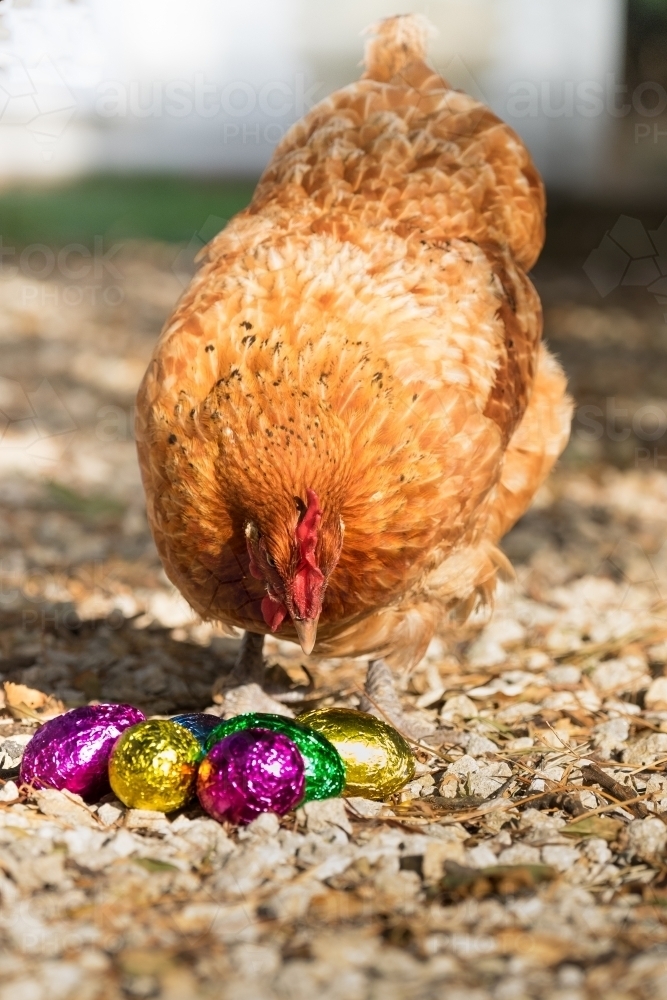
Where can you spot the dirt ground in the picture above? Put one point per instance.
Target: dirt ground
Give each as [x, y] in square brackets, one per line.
[526, 860]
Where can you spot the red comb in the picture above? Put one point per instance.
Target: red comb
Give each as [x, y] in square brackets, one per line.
[308, 580]
[306, 532]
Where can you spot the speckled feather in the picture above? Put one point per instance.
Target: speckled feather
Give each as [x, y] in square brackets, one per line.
[364, 328]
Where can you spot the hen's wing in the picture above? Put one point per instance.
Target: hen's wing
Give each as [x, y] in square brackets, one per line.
[401, 631]
[534, 447]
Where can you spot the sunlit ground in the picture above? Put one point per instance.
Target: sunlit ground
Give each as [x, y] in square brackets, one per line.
[569, 673]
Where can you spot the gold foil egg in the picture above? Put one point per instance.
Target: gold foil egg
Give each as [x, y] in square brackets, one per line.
[153, 765]
[377, 759]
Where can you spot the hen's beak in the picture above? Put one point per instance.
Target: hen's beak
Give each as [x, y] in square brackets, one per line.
[306, 629]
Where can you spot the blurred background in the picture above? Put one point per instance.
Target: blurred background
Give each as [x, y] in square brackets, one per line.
[130, 132]
[93, 87]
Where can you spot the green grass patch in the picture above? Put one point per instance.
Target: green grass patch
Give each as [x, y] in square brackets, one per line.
[96, 507]
[165, 208]
[154, 865]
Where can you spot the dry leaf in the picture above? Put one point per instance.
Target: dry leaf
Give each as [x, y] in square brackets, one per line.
[155, 865]
[65, 806]
[603, 827]
[461, 882]
[536, 949]
[144, 962]
[17, 694]
[29, 703]
[337, 906]
[430, 806]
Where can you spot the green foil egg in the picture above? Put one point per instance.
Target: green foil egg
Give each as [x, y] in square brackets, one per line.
[153, 765]
[377, 759]
[325, 772]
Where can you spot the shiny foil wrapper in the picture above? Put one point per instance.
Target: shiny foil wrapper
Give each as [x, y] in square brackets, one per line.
[200, 724]
[250, 772]
[72, 751]
[325, 771]
[377, 759]
[154, 765]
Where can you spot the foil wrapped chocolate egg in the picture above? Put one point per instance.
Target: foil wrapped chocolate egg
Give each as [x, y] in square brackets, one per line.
[200, 724]
[72, 751]
[377, 759]
[154, 765]
[250, 772]
[325, 771]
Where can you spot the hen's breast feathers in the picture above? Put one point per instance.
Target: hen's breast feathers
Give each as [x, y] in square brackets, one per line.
[365, 322]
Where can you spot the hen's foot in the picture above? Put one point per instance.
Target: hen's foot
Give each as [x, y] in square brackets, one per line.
[241, 691]
[381, 700]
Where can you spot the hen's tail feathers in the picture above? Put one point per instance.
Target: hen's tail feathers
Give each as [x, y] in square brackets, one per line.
[494, 566]
[395, 43]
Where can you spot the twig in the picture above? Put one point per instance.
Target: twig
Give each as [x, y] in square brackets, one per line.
[649, 634]
[614, 805]
[593, 775]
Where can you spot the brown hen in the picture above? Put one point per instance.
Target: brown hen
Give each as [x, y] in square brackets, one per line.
[351, 405]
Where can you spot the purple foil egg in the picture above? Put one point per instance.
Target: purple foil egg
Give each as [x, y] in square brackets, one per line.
[72, 751]
[250, 772]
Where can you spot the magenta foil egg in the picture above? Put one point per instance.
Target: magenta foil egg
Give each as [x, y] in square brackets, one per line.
[252, 771]
[72, 751]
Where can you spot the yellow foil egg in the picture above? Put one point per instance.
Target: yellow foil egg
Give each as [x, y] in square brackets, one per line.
[153, 765]
[377, 759]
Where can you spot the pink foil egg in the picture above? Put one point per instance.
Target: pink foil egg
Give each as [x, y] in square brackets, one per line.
[251, 772]
[72, 751]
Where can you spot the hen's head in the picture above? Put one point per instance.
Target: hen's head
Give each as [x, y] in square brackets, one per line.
[295, 560]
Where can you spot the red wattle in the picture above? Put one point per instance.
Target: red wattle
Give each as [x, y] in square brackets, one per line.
[274, 612]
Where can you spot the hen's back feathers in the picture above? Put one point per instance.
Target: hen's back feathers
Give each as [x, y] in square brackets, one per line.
[364, 328]
[400, 149]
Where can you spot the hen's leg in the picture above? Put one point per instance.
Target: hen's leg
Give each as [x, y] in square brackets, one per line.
[381, 699]
[242, 690]
[249, 666]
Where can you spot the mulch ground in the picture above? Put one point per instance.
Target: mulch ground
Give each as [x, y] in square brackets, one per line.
[527, 858]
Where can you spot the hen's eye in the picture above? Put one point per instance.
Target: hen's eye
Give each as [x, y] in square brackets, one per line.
[270, 560]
